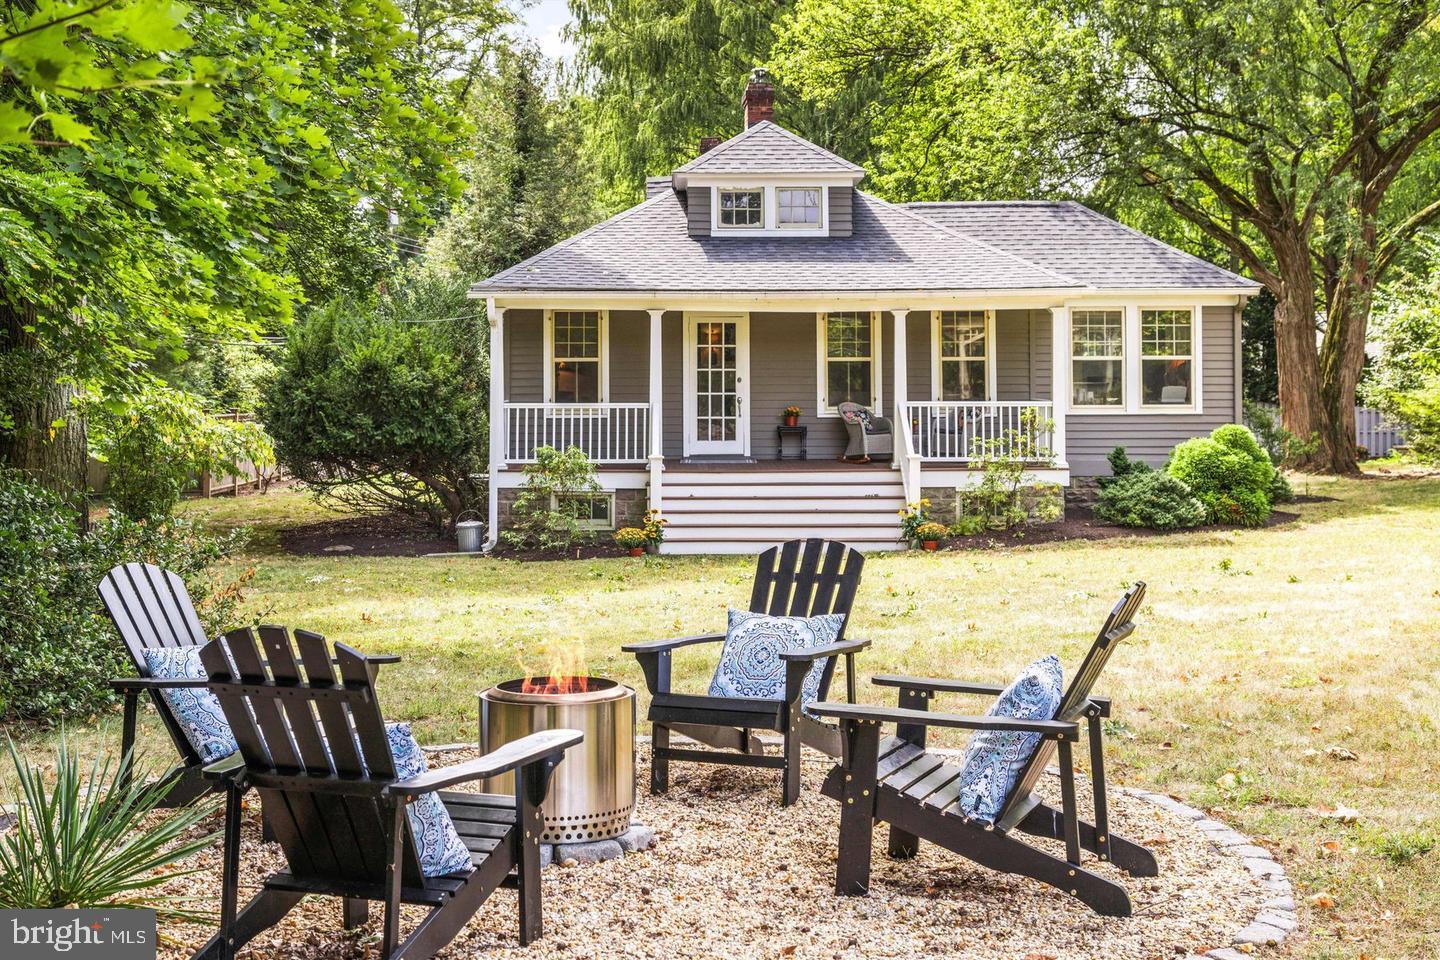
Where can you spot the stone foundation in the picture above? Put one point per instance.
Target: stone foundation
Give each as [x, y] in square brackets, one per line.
[630, 507]
[947, 504]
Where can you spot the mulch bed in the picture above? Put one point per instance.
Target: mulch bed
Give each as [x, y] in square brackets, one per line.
[734, 875]
[1080, 524]
[371, 535]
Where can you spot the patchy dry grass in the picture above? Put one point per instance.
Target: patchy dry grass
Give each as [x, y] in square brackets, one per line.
[1277, 675]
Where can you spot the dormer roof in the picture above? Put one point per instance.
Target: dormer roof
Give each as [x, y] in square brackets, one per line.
[768, 148]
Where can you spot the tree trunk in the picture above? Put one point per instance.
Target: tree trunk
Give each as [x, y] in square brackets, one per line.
[1342, 356]
[47, 438]
[1297, 358]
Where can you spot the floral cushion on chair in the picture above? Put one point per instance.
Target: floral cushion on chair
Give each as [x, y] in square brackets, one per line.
[750, 664]
[194, 708]
[994, 759]
[437, 845]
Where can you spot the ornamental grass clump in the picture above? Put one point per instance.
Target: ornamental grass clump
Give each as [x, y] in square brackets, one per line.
[82, 842]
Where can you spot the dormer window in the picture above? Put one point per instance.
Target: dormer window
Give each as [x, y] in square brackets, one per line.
[799, 206]
[742, 209]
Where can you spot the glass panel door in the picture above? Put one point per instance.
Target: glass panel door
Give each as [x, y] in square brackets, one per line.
[717, 363]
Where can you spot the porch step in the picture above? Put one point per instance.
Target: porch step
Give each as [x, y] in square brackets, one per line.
[744, 512]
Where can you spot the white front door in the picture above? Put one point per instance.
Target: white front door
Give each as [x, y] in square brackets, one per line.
[717, 388]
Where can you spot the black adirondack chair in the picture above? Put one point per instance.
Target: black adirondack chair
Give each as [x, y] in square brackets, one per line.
[801, 578]
[151, 608]
[314, 748]
[897, 781]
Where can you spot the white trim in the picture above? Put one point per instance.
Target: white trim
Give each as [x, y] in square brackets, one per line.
[717, 228]
[961, 479]
[991, 381]
[691, 444]
[1059, 379]
[657, 416]
[609, 479]
[548, 338]
[498, 386]
[877, 364]
[807, 301]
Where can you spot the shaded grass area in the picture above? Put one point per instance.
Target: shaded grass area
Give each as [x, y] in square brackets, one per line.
[1277, 675]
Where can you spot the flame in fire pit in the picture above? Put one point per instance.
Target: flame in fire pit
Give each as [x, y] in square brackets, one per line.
[565, 673]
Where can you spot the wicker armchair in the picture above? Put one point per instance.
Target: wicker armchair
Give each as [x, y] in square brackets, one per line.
[870, 435]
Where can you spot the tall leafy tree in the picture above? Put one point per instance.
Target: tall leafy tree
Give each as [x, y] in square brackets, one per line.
[149, 183]
[1293, 135]
[661, 74]
[530, 182]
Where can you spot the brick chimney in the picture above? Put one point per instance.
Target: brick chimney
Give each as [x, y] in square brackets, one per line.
[759, 99]
[709, 143]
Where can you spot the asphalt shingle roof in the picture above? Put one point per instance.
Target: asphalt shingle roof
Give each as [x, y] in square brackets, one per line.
[1072, 239]
[648, 248]
[767, 148]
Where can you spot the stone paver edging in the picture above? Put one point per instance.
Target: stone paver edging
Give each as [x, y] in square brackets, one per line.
[1277, 918]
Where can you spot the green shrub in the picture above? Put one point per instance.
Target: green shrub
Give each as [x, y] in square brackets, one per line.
[157, 444]
[86, 842]
[1417, 410]
[385, 406]
[58, 650]
[1285, 448]
[1122, 466]
[544, 515]
[1229, 473]
[1149, 499]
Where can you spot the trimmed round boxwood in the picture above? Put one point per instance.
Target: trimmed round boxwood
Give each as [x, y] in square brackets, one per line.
[1229, 473]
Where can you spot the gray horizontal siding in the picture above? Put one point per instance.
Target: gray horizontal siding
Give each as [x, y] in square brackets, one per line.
[1151, 436]
[524, 363]
[697, 211]
[842, 202]
[1012, 355]
[629, 356]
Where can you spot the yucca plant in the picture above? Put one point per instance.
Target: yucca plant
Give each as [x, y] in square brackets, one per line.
[80, 842]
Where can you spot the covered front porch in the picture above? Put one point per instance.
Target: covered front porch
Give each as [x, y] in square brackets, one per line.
[651, 393]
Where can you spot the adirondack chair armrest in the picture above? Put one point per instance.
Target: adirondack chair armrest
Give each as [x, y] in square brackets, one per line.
[526, 750]
[1049, 729]
[227, 767]
[937, 685]
[674, 643]
[139, 684]
[820, 653]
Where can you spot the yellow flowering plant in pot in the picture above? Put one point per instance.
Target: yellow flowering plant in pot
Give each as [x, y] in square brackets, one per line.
[633, 539]
[930, 534]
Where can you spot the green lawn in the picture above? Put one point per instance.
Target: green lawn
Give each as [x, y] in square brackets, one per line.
[1263, 661]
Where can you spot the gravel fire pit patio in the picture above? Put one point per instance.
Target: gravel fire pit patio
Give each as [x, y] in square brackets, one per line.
[734, 875]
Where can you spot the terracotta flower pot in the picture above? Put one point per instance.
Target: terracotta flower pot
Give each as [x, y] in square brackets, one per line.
[637, 551]
[792, 421]
[930, 544]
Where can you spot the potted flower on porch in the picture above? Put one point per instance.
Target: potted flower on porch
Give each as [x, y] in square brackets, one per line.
[791, 415]
[930, 534]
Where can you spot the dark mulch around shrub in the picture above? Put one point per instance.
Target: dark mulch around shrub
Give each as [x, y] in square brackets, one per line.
[1080, 524]
[380, 535]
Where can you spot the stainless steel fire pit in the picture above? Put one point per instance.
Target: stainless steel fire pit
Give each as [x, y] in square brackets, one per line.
[593, 793]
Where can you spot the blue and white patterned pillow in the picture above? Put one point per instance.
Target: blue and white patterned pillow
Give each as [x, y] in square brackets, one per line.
[437, 845]
[994, 759]
[750, 664]
[195, 709]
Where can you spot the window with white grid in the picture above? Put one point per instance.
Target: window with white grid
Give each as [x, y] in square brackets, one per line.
[742, 208]
[575, 356]
[798, 206]
[963, 351]
[849, 360]
[1167, 357]
[1097, 350]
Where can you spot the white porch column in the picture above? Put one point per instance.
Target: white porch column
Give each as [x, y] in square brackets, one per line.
[1060, 377]
[498, 426]
[900, 385]
[657, 422]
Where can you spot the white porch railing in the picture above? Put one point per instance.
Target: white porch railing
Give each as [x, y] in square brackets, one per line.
[958, 430]
[607, 432]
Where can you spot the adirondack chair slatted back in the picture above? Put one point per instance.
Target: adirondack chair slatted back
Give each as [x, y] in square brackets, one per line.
[1118, 625]
[808, 578]
[294, 721]
[151, 609]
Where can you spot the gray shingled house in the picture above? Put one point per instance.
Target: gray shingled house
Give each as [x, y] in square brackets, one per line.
[666, 341]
